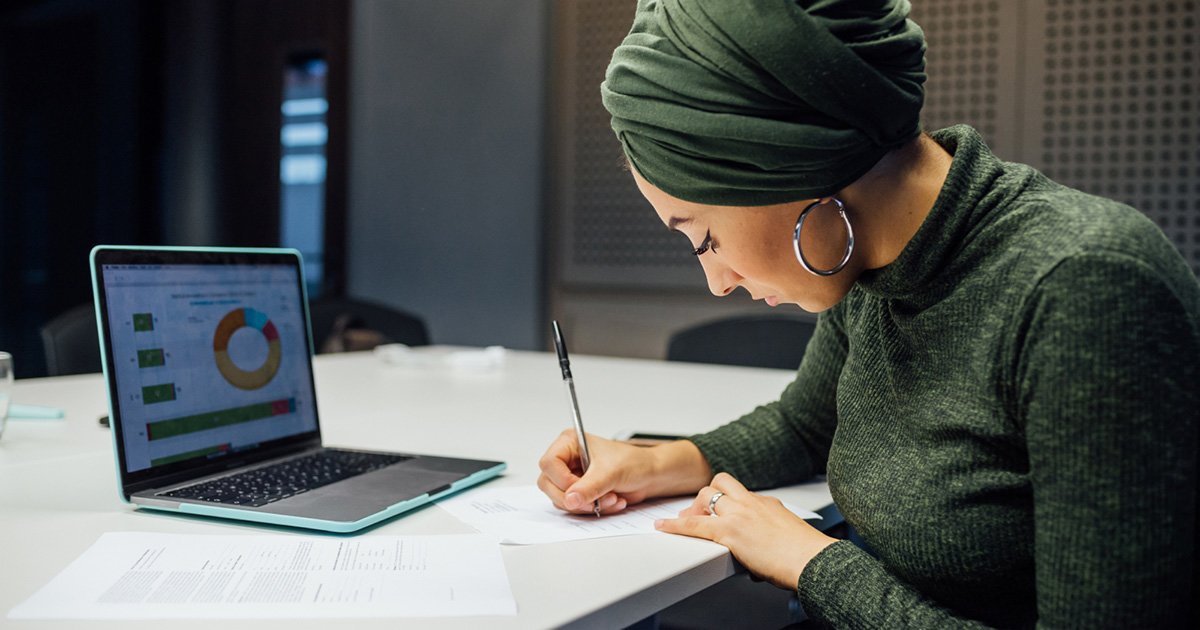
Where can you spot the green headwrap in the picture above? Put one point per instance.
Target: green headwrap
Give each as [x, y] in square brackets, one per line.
[764, 101]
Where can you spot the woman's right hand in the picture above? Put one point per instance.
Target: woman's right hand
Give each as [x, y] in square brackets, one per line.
[620, 474]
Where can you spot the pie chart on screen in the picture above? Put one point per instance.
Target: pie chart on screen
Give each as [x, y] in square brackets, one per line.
[234, 321]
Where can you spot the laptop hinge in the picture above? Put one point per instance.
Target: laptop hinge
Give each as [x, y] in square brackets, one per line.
[216, 469]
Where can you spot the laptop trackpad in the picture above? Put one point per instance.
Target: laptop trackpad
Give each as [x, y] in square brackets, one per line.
[364, 495]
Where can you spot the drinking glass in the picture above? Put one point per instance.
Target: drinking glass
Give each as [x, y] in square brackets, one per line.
[6, 387]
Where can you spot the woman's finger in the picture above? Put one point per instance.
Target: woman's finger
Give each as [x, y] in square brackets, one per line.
[694, 526]
[703, 504]
[698, 504]
[550, 490]
[726, 483]
[611, 504]
[556, 462]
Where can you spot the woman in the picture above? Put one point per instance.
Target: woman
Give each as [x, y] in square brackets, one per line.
[1002, 387]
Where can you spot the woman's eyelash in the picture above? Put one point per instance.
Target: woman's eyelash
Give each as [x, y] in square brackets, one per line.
[705, 245]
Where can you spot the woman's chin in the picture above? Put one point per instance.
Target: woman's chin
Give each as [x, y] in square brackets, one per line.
[815, 305]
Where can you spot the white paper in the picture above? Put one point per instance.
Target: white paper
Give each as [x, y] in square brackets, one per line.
[522, 515]
[138, 575]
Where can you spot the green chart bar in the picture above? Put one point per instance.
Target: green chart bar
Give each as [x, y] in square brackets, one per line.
[158, 393]
[151, 358]
[216, 419]
[143, 322]
[200, 452]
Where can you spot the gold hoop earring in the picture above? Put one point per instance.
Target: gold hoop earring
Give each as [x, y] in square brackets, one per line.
[841, 208]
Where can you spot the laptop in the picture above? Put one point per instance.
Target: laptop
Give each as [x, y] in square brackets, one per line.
[207, 354]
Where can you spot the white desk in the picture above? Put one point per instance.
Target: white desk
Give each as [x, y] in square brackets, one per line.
[58, 488]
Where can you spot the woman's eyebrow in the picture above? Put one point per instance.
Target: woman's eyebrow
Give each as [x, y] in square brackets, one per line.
[675, 222]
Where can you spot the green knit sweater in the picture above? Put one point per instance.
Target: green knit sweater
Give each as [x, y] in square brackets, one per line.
[1009, 414]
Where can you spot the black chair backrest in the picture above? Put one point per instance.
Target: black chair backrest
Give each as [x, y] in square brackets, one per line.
[71, 342]
[341, 313]
[771, 341]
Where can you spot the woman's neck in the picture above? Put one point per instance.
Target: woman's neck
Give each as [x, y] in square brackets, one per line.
[889, 203]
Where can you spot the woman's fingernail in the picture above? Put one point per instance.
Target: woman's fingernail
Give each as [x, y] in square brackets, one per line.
[608, 502]
[658, 524]
[574, 500]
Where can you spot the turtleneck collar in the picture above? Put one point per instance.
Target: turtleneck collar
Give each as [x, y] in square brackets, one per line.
[928, 260]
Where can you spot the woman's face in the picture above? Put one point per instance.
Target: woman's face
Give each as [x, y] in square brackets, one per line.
[751, 247]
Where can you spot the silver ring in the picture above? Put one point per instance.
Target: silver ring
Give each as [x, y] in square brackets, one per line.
[849, 238]
[712, 503]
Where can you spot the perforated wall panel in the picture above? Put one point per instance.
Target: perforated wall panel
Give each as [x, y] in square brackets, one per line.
[613, 234]
[966, 65]
[1120, 107]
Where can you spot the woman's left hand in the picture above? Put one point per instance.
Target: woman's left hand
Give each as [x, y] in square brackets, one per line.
[771, 542]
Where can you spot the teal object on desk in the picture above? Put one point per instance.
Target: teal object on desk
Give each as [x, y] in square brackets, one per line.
[34, 412]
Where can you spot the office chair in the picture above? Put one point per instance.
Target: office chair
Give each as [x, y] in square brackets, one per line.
[342, 324]
[71, 342]
[770, 341]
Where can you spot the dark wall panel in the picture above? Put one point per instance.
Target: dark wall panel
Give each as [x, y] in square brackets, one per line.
[446, 165]
[72, 156]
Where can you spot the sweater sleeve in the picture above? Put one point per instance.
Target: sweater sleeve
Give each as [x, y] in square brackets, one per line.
[786, 441]
[847, 588]
[1108, 369]
[1109, 381]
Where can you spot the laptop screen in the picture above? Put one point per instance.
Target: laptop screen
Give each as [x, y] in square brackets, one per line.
[207, 360]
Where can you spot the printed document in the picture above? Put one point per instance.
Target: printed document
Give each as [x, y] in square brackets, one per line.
[522, 515]
[138, 575]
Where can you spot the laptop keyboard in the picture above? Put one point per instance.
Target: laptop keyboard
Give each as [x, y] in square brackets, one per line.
[268, 484]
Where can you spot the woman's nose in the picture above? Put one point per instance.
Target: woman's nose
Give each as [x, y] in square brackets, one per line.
[721, 280]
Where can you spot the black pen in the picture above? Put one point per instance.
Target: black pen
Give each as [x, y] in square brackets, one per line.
[585, 458]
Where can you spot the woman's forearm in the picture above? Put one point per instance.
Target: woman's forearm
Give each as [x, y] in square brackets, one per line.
[679, 468]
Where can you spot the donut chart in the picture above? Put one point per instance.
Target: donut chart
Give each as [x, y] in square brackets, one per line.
[231, 323]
